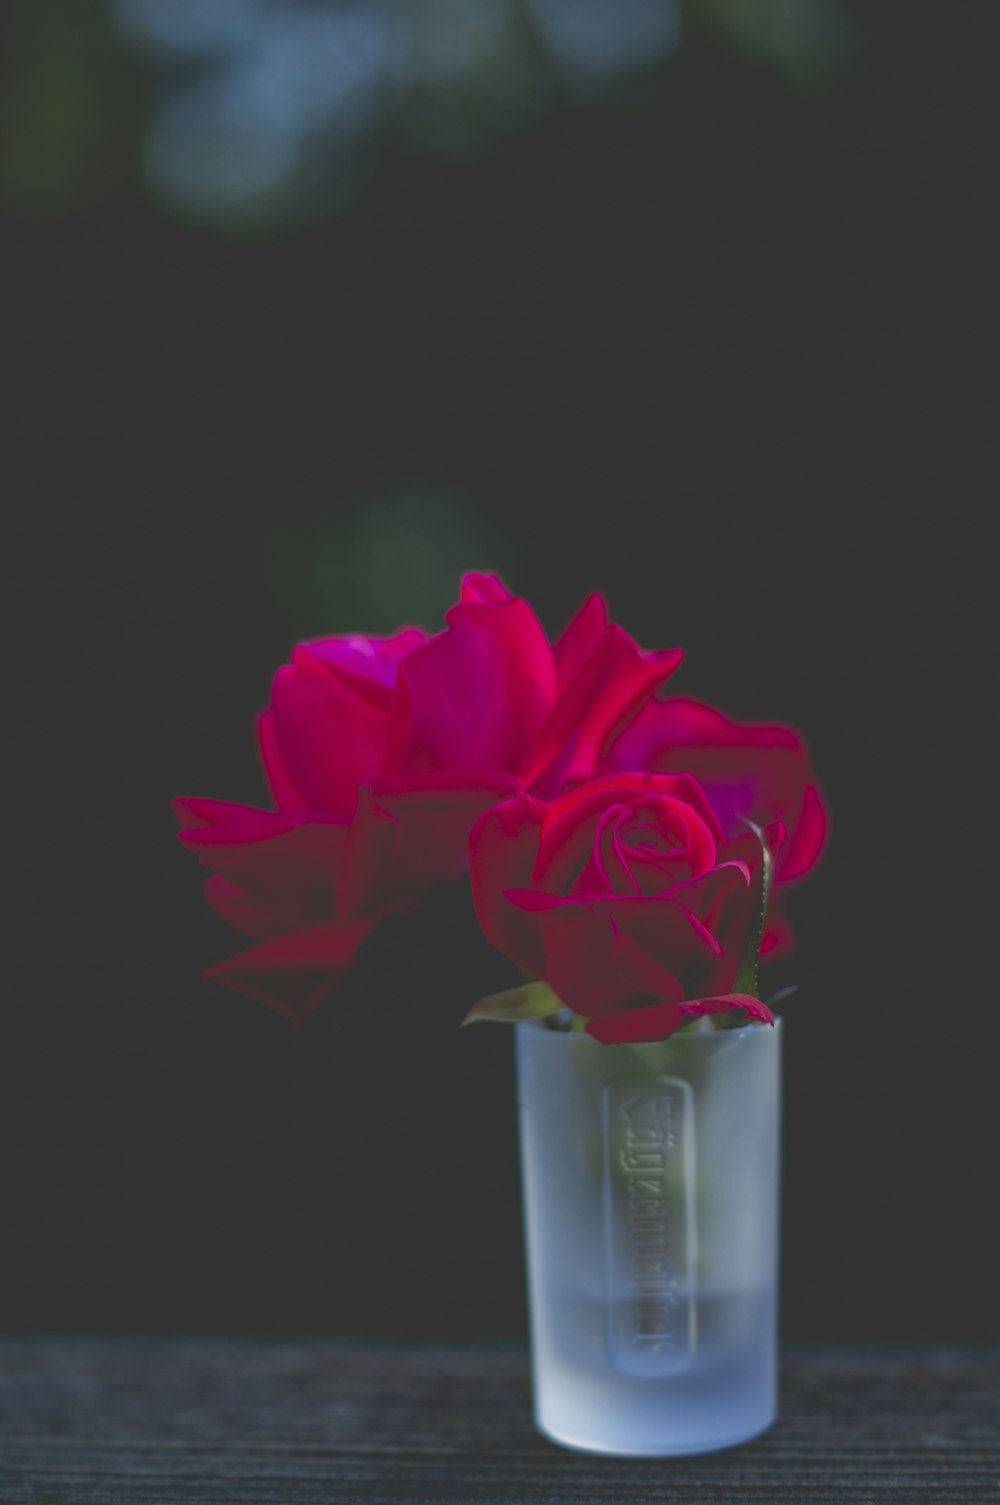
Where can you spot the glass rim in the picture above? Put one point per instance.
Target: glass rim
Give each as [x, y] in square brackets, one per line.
[539, 1028]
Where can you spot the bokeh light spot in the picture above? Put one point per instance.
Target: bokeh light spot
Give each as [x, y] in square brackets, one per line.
[608, 37]
[210, 152]
[313, 67]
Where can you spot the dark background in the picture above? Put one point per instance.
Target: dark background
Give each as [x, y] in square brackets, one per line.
[701, 333]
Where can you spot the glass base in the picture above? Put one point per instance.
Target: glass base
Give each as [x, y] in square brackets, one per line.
[724, 1392]
[653, 1450]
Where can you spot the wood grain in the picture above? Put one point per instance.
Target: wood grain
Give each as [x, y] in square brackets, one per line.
[140, 1420]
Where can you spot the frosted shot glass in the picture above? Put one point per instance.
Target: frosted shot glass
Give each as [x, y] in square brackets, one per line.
[650, 1183]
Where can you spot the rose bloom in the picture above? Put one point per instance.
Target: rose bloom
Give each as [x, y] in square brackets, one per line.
[381, 753]
[760, 771]
[626, 895]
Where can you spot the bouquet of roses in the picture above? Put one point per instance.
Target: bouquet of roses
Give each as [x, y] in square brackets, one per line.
[628, 849]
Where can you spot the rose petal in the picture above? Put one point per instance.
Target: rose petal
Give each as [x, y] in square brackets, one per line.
[582, 964]
[578, 641]
[221, 823]
[292, 974]
[649, 973]
[631, 676]
[328, 737]
[700, 928]
[635, 1026]
[805, 845]
[286, 796]
[368, 664]
[665, 928]
[658, 1021]
[503, 847]
[608, 871]
[274, 880]
[535, 901]
[547, 760]
[473, 696]
[194, 812]
[725, 1003]
[665, 726]
[488, 590]
[674, 938]
[591, 964]
[778, 941]
[252, 916]
[412, 832]
[609, 686]
[727, 901]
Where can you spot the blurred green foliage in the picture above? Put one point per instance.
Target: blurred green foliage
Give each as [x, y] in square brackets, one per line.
[811, 42]
[391, 559]
[71, 105]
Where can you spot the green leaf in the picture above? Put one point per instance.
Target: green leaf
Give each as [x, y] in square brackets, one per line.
[746, 977]
[531, 1001]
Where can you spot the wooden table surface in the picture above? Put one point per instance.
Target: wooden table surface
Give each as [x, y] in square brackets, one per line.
[138, 1420]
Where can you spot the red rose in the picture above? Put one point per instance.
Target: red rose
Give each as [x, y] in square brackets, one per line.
[752, 770]
[488, 693]
[382, 753]
[626, 896]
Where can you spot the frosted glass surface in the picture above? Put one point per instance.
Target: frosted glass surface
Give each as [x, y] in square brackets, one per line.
[650, 1184]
